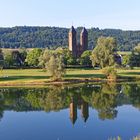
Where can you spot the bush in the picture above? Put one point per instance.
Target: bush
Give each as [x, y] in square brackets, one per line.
[110, 73]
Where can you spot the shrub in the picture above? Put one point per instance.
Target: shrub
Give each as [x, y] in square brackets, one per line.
[110, 73]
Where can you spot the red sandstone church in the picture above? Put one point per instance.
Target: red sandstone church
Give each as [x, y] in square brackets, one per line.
[78, 48]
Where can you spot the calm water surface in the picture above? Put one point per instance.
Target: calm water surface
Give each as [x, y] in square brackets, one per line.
[87, 112]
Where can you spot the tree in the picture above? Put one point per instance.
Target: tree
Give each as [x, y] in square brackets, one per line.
[55, 67]
[137, 49]
[44, 58]
[67, 56]
[135, 57]
[8, 58]
[126, 60]
[103, 54]
[52, 37]
[110, 73]
[14, 58]
[1, 59]
[23, 55]
[33, 57]
[17, 58]
[54, 63]
[85, 58]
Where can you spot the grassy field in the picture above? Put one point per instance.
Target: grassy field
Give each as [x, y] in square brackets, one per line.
[124, 52]
[38, 76]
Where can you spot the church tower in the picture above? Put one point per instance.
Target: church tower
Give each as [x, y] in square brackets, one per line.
[84, 39]
[72, 41]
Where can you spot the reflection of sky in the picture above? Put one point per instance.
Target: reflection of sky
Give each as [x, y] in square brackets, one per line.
[57, 125]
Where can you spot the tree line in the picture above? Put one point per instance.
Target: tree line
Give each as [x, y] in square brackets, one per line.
[53, 37]
[55, 61]
[39, 58]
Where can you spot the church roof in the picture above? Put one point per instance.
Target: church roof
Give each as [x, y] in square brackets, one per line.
[84, 31]
[72, 30]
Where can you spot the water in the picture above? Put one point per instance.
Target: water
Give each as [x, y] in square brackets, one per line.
[79, 112]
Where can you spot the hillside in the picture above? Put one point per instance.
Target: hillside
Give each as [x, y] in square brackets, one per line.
[51, 37]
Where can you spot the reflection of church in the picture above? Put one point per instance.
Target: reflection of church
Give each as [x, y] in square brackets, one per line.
[73, 110]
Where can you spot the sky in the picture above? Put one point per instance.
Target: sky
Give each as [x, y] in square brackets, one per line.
[118, 14]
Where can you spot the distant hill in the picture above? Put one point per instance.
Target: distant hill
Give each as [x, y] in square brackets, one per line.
[52, 37]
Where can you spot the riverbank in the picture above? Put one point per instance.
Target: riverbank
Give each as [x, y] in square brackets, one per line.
[37, 77]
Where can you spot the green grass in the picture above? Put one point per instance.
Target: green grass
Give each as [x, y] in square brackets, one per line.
[135, 73]
[124, 52]
[32, 76]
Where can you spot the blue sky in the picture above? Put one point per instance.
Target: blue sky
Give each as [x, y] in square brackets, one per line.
[119, 14]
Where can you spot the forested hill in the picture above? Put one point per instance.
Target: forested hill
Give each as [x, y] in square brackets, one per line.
[51, 37]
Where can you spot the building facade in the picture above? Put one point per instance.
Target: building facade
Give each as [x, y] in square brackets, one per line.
[78, 48]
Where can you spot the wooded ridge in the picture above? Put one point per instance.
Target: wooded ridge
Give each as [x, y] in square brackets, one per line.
[53, 37]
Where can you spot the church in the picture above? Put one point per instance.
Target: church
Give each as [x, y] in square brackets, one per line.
[78, 48]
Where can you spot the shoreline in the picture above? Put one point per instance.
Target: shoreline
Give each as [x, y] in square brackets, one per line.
[66, 82]
[37, 77]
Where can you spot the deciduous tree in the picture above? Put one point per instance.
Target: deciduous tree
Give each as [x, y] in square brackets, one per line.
[103, 53]
[33, 57]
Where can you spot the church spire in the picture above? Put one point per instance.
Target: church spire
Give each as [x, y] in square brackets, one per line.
[84, 39]
[72, 30]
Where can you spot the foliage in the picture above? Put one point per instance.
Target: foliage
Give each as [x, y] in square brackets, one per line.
[67, 56]
[14, 58]
[50, 37]
[110, 73]
[105, 101]
[55, 67]
[8, 58]
[1, 59]
[61, 52]
[23, 54]
[53, 62]
[103, 54]
[45, 57]
[33, 57]
[135, 57]
[126, 60]
[54, 98]
[137, 49]
[85, 58]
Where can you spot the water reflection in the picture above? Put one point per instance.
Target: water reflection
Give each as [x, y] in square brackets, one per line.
[73, 110]
[104, 98]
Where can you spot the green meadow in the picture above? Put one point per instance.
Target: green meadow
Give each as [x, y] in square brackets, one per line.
[39, 76]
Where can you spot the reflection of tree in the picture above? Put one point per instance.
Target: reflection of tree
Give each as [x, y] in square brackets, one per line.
[134, 95]
[131, 94]
[127, 89]
[104, 101]
[104, 98]
[110, 88]
[53, 98]
[1, 105]
[108, 114]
